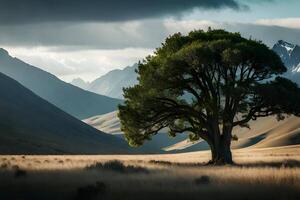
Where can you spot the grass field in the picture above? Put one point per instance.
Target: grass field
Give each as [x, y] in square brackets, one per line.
[270, 173]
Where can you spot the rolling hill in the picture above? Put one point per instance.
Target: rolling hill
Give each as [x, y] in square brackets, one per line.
[73, 100]
[268, 132]
[31, 125]
[263, 133]
[110, 124]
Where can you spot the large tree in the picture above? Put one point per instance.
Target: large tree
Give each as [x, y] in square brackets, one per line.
[204, 84]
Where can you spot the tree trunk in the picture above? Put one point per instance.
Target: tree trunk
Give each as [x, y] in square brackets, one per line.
[220, 143]
[221, 152]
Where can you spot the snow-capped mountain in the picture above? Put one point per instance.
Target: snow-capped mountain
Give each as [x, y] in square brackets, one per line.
[290, 55]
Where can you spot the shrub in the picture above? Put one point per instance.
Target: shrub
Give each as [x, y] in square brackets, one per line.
[290, 164]
[90, 192]
[117, 166]
[15, 167]
[234, 138]
[20, 173]
[161, 162]
[4, 166]
[203, 180]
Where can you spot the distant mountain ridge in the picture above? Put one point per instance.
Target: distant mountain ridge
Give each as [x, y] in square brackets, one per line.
[112, 83]
[78, 82]
[73, 100]
[31, 125]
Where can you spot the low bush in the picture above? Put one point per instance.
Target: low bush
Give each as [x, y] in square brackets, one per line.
[202, 180]
[117, 166]
[4, 166]
[160, 162]
[89, 192]
[20, 173]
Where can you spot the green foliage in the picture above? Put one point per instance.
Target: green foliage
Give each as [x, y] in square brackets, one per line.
[202, 82]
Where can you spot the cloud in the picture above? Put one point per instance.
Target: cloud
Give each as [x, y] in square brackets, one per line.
[89, 50]
[269, 34]
[87, 64]
[114, 35]
[36, 11]
[147, 34]
[286, 22]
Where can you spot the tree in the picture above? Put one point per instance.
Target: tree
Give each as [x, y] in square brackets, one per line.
[204, 84]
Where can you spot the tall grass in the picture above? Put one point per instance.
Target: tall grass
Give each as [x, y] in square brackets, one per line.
[260, 174]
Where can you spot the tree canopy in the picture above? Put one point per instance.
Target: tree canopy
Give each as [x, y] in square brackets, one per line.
[204, 84]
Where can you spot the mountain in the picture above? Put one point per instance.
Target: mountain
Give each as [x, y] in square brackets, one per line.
[78, 82]
[73, 100]
[112, 83]
[31, 125]
[290, 55]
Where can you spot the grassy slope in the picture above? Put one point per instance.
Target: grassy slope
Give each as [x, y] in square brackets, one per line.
[29, 124]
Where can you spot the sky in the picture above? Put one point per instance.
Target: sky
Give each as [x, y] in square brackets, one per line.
[88, 38]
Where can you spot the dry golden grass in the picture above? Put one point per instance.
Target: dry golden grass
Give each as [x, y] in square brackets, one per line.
[260, 174]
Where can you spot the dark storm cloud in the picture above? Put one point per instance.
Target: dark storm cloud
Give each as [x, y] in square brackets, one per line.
[119, 35]
[36, 11]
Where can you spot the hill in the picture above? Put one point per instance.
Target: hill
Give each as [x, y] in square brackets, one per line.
[73, 100]
[110, 124]
[263, 133]
[31, 125]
